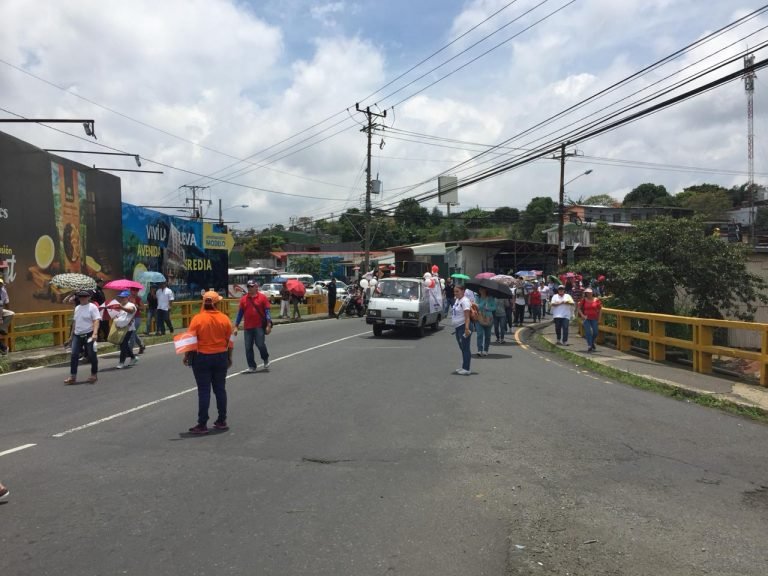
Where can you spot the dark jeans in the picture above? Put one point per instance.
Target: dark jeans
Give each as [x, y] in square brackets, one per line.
[151, 313]
[135, 338]
[519, 314]
[561, 329]
[536, 312]
[163, 320]
[590, 332]
[500, 326]
[210, 370]
[255, 336]
[464, 345]
[125, 347]
[78, 344]
[331, 306]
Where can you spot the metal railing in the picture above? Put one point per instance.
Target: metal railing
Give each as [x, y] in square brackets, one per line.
[697, 335]
[57, 322]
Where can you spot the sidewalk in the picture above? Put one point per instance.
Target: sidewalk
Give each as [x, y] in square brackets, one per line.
[712, 385]
[24, 359]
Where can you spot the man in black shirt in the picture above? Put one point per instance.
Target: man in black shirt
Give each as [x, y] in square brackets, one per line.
[332, 297]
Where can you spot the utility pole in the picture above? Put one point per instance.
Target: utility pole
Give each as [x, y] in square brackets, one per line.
[749, 86]
[561, 203]
[197, 213]
[368, 129]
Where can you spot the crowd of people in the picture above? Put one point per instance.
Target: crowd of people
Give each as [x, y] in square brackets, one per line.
[488, 316]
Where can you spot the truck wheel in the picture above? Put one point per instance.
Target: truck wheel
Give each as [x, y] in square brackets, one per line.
[377, 330]
[436, 323]
[420, 330]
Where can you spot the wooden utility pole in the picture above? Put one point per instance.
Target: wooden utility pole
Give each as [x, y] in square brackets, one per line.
[197, 213]
[368, 184]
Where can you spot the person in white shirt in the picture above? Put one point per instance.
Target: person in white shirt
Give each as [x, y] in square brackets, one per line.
[85, 334]
[562, 311]
[546, 294]
[164, 300]
[125, 320]
[462, 327]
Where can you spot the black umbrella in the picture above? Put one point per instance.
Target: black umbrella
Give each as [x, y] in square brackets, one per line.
[495, 289]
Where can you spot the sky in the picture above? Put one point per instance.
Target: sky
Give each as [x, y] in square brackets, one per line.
[257, 100]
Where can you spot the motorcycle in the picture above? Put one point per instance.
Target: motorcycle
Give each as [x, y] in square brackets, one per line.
[352, 305]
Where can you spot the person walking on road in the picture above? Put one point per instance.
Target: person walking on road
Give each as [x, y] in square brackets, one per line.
[285, 298]
[462, 327]
[254, 310]
[85, 334]
[151, 309]
[164, 302]
[332, 298]
[589, 310]
[487, 306]
[211, 361]
[562, 311]
[136, 300]
[124, 319]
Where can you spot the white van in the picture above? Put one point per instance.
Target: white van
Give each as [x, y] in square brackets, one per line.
[398, 303]
[306, 279]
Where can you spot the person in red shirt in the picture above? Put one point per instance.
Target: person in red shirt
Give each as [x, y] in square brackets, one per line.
[211, 361]
[589, 309]
[534, 303]
[254, 309]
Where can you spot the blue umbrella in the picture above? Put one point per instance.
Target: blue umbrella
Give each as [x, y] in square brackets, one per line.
[150, 276]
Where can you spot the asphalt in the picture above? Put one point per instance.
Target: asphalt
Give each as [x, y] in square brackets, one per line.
[719, 386]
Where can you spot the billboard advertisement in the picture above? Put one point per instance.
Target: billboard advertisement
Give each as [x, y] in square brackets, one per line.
[56, 216]
[191, 254]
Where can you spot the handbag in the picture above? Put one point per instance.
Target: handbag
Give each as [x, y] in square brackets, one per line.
[116, 335]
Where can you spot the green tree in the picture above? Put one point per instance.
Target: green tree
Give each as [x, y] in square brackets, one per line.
[411, 214]
[709, 204]
[648, 194]
[663, 261]
[600, 200]
[305, 265]
[436, 216]
[540, 210]
[506, 215]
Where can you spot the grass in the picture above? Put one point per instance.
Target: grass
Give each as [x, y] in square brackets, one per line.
[654, 385]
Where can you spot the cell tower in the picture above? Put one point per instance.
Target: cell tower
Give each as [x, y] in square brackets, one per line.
[749, 86]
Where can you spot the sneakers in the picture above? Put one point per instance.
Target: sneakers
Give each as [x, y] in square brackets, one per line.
[463, 372]
[266, 364]
[70, 380]
[4, 493]
[199, 429]
[558, 343]
[141, 349]
[133, 361]
[221, 425]
[120, 366]
[503, 341]
[249, 370]
[92, 379]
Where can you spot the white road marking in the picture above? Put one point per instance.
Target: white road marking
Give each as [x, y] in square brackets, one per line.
[188, 390]
[17, 449]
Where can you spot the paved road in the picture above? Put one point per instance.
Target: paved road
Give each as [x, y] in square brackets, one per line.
[357, 456]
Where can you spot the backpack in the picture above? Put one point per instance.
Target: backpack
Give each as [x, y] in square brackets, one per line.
[474, 312]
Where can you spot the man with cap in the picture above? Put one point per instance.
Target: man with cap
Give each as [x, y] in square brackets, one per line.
[562, 307]
[211, 361]
[85, 334]
[254, 309]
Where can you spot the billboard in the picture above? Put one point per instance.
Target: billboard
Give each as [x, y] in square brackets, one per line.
[448, 190]
[56, 216]
[192, 255]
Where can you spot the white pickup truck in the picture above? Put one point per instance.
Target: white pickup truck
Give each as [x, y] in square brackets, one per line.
[398, 303]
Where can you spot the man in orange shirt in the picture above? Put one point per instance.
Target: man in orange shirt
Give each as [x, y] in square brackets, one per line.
[211, 361]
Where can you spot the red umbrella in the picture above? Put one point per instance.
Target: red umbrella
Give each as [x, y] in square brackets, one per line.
[485, 275]
[296, 288]
[123, 284]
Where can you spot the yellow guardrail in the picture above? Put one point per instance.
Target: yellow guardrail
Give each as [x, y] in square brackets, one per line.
[654, 330]
[57, 322]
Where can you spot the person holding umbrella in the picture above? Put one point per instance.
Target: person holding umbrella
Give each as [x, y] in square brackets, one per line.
[254, 308]
[85, 334]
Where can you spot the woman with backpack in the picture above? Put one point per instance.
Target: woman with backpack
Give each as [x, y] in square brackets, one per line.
[486, 306]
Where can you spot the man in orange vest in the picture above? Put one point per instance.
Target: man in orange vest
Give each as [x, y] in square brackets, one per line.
[211, 361]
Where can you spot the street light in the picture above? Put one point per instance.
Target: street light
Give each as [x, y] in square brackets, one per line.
[561, 214]
[221, 211]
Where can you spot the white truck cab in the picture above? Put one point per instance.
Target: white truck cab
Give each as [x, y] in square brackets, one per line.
[398, 303]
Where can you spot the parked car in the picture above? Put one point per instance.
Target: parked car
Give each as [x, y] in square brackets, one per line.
[272, 292]
[319, 287]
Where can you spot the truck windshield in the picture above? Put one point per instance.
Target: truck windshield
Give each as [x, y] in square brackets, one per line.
[390, 288]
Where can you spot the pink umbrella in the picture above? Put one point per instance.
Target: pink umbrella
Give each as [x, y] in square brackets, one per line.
[123, 284]
[485, 275]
